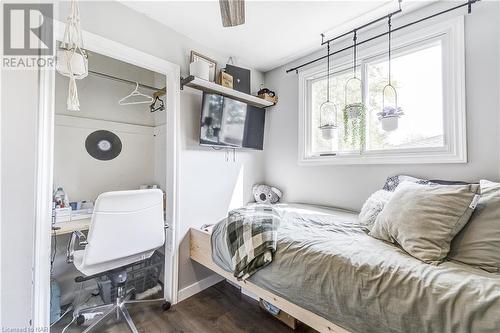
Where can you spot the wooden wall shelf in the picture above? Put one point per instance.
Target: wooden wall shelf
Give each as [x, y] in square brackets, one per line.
[214, 88]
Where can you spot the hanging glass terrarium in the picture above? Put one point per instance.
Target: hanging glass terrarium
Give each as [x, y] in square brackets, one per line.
[354, 110]
[328, 110]
[354, 106]
[391, 112]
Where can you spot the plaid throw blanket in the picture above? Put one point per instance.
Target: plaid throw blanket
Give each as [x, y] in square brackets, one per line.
[251, 238]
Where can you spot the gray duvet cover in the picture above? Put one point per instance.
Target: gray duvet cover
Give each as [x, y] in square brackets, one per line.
[326, 263]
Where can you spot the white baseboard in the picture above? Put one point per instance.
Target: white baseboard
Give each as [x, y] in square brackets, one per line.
[196, 287]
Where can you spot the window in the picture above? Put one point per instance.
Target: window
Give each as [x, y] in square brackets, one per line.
[427, 72]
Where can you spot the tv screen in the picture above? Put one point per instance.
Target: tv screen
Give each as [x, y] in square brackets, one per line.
[226, 122]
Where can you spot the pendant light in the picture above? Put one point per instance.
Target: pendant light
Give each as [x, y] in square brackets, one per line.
[389, 116]
[328, 108]
[354, 106]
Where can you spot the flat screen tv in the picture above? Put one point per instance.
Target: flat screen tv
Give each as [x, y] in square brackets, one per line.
[228, 123]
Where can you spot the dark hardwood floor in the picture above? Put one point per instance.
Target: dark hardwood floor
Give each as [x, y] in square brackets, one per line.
[219, 309]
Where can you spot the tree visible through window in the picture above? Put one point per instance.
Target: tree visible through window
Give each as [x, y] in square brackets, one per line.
[417, 77]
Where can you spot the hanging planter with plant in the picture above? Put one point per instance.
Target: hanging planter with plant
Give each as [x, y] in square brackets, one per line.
[354, 126]
[354, 110]
[390, 114]
[72, 60]
[328, 108]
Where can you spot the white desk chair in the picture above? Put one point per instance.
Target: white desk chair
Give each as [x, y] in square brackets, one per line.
[127, 227]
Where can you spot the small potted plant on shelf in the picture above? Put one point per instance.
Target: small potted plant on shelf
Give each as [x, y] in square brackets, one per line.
[389, 117]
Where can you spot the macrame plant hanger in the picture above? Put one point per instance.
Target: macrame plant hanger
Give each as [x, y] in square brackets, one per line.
[329, 108]
[72, 60]
[389, 116]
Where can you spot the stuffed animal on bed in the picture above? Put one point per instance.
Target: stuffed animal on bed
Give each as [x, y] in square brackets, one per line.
[266, 194]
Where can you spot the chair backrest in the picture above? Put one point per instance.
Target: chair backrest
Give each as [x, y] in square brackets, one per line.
[127, 226]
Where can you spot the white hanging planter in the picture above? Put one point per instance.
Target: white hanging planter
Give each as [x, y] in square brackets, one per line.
[389, 123]
[71, 63]
[389, 116]
[71, 60]
[328, 131]
[329, 127]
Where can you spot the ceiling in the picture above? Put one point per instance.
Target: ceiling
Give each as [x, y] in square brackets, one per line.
[275, 32]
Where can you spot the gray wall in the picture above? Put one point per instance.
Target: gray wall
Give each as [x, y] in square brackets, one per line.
[349, 186]
[203, 172]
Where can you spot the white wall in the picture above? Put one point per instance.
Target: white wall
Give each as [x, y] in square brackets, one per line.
[349, 186]
[209, 185]
[84, 177]
[18, 147]
[19, 116]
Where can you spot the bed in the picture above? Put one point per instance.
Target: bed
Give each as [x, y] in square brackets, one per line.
[328, 273]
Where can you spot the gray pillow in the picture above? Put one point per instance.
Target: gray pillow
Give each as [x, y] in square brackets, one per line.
[423, 219]
[478, 244]
[392, 182]
[372, 207]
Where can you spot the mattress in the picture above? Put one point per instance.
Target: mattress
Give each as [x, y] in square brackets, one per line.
[326, 263]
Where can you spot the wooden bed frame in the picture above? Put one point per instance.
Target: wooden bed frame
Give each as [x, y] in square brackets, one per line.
[201, 252]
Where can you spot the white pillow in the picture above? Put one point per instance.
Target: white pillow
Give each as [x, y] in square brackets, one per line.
[372, 207]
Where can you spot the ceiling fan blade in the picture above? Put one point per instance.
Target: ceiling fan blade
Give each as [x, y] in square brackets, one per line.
[232, 12]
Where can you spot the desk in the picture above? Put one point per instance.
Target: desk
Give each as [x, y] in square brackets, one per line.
[69, 227]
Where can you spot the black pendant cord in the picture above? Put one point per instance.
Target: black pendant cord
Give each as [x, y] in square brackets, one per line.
[390, 30]
[467, 4]
[328, 74]
[355, 39]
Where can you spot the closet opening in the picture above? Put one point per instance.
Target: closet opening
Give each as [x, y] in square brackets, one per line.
[102, 169]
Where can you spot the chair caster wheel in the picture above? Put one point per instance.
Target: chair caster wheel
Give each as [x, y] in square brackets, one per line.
[165, 306]
[80, 320]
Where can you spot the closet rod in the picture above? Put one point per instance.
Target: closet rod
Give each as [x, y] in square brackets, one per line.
[468, 4]
[119, 79]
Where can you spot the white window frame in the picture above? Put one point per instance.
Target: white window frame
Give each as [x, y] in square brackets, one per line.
[451, 34]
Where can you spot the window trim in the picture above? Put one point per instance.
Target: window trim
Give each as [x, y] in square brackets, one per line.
[451, 33]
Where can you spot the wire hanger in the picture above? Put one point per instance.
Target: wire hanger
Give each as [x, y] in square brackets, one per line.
[135, 93]
[153, 107]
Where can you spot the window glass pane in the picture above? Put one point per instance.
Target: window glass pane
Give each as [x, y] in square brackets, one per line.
[417, 77]
[319, 144]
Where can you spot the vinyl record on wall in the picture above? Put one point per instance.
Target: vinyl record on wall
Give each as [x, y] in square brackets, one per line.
[103, 145]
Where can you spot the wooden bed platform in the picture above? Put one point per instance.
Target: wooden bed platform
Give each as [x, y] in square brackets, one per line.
[201, 252]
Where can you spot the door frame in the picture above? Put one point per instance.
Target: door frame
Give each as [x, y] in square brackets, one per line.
[45, 167]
